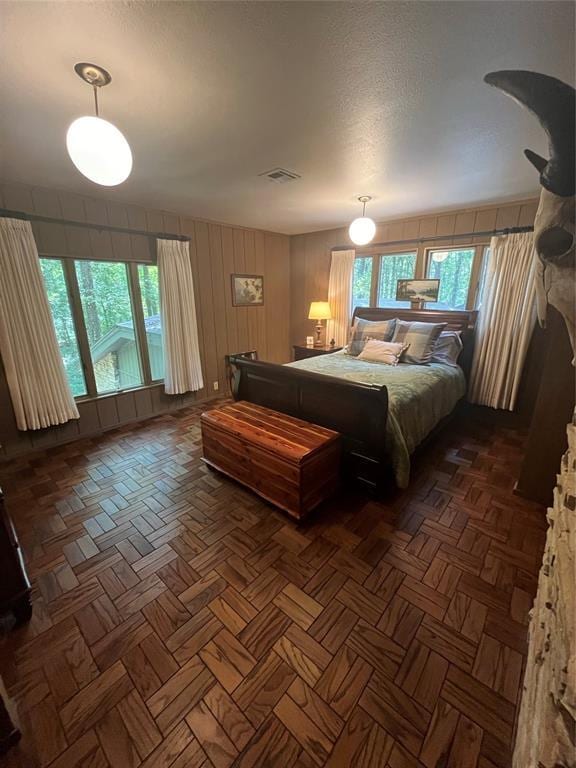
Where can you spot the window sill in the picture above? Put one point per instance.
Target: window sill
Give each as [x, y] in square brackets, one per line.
[105, 395]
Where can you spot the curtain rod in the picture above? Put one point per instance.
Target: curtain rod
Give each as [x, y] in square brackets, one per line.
[6, 214]
[435, 238]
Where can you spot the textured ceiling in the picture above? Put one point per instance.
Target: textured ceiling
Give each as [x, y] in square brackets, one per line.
[384, 99]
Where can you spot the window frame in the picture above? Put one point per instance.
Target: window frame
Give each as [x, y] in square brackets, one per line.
[475, 273]
[377, 256]
[75, 301]
[423, 253]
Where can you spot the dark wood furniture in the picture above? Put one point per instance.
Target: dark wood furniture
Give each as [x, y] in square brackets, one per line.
[553, 409]
[303, 351]
[357, 411]
[14, 583]
[291, 463]
[252, 354]
[9, 733]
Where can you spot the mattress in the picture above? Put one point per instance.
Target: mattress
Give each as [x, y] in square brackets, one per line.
[419, 397]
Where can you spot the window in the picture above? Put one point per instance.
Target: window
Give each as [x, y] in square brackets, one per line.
[107, 320]
[362, 282]
[394, 267]
[59, 301]
[109, 324]
[148, 278]
[453, 267]
[375, 279]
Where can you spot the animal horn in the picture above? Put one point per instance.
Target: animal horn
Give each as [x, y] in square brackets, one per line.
[537, 160]
[554, 104]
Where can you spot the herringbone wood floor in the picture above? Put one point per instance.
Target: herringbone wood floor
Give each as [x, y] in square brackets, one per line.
[180, 621]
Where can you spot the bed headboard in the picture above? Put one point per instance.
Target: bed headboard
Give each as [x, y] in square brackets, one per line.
[456, 320]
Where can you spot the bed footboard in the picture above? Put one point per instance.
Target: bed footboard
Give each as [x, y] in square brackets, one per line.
[358, 411]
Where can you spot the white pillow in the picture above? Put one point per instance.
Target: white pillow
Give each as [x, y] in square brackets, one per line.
[381, 352]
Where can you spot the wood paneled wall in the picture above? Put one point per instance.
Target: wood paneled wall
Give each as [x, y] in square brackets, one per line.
[295, 270]
[310, 253]
[216, 251]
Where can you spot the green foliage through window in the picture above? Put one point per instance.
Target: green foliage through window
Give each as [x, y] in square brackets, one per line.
[109, 323]
[453, 267]
[394, 267]
[53, 274]
[362, 282]
[148, 278]
[106, 344]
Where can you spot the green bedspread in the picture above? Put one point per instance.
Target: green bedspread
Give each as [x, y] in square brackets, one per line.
[419, 396]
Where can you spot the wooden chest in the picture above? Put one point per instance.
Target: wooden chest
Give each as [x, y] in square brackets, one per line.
[289, 462]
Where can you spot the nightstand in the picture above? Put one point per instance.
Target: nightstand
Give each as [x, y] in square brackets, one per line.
[301, 351]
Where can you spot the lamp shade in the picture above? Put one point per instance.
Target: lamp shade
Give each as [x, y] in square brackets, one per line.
[362, 230]
[319, 310]
[99, 151]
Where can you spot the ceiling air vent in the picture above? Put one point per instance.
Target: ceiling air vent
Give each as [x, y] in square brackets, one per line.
[280, 175]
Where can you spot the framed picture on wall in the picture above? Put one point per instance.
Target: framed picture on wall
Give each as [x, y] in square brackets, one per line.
[247, 290]
[417, 290]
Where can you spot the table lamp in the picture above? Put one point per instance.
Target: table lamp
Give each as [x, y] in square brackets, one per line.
[319, 310]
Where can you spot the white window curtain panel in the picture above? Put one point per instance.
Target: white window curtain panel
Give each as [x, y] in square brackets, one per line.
[506, 321]
[35, 373]
[182, 368]
[340, 296]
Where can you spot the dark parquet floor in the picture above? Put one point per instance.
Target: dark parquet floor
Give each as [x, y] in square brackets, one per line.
[179, 621]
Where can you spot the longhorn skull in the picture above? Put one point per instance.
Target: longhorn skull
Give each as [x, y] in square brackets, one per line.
[554, 104]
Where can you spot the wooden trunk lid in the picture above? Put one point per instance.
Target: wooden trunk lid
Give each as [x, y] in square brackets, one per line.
[295, 440]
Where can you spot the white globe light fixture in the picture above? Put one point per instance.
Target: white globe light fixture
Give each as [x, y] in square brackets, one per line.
[96, 147]
[362, 229]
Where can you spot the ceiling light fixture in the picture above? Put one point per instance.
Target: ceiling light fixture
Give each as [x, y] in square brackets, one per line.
[439, 256]
[362, 229]
[96, 147]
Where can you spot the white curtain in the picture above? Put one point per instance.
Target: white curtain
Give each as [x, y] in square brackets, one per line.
[506, 321]
[38, 386]
[340, 296]
[182, 368]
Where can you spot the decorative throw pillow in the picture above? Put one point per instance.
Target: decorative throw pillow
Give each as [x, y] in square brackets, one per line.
[448, 348]
[420, 338]
[381, 352]
[363, 330]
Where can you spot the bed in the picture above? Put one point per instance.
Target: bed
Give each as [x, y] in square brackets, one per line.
[383, 413]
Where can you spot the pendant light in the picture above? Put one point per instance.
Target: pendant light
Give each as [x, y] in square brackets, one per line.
[96, 147]
[362, 229]
[439, 256]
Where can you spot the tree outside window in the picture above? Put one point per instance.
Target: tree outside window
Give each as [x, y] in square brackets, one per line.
[390, 268]
[453, 267]
[394, 267]
[111, 323]
[59, 301]
[362, 282]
